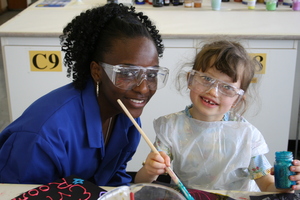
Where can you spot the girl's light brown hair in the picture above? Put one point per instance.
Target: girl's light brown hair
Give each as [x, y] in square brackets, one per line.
[232, 59]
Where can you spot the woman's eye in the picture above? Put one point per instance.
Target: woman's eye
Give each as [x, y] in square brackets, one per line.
[128, 73]
[152, 74]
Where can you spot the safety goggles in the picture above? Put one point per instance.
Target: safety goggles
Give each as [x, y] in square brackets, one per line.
[202, 82]
[127, 77]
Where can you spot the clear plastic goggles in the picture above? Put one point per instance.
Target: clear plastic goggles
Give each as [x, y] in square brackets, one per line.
[202, 82]
[127, 77]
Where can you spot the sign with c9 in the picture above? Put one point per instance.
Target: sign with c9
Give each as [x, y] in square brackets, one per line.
[46, 61]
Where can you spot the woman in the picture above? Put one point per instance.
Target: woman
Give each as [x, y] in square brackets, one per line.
[79, 129]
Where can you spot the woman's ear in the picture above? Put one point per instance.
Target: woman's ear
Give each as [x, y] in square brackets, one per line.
[95, 71]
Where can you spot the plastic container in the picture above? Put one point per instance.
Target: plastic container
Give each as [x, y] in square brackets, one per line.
[112, 1]
[188, 3]
[296, 5]
[158, 3]
[287, 2]
[271, 5]
[175, 2]
[216, 4]
[251, 4]
[197, 3]
[140, 2]
[144, 191]
[283, 161]
[166, 2]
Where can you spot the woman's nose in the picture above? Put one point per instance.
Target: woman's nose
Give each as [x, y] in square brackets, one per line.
[142, 78]
[142, 87]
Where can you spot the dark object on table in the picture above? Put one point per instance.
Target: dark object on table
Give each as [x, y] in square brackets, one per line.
[279, 196]
[198, 194]
[71, 188]
[147, 193]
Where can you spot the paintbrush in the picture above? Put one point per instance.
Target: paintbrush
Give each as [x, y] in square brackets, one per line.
[169, 170]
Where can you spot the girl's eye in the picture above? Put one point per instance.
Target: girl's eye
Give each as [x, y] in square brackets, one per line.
[228, 87]
[207, 79]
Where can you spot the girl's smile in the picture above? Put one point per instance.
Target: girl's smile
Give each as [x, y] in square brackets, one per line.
[211, 105]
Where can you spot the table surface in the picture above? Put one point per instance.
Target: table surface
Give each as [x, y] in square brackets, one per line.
[10, 191]
[233, 20]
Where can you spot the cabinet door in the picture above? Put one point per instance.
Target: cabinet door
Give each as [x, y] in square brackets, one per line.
[271, 109]
[164, 101]
[24, 85]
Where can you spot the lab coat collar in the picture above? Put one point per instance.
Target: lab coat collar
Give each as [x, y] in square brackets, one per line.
[118, 139]
[92, 116]
[94, 125]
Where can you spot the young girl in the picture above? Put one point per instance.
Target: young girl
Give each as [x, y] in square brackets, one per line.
[210, 145]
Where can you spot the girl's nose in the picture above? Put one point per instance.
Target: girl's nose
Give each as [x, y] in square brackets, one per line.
[213, 90]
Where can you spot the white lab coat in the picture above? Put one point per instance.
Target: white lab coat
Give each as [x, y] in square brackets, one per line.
[210, 155]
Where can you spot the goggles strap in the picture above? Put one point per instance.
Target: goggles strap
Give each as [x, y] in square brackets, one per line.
[237, 100]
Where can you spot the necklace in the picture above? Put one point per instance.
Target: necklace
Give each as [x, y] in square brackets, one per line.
[108, 132]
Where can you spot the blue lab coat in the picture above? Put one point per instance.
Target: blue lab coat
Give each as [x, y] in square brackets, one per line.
[59, 135]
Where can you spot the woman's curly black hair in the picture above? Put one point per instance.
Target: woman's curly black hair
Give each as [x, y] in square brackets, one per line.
[89, 36]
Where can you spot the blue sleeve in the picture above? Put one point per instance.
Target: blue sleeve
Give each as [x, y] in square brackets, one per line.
[26, 158]
[121, 177]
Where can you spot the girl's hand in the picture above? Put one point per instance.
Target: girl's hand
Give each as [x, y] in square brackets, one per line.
[156, 164]
[295, 168]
